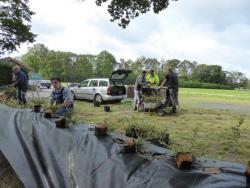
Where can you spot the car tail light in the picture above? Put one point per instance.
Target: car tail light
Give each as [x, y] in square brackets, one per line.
[109, 91]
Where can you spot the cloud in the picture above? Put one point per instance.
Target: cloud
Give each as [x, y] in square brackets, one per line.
[207, 31]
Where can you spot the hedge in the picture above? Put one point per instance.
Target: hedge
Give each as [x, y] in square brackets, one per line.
[196, 84]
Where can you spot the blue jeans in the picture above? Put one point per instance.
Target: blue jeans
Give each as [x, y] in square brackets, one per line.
[21, 96]
[63, 111]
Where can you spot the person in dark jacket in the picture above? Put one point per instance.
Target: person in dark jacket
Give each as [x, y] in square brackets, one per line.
[171, 80]
[21, 84]
[61, 97]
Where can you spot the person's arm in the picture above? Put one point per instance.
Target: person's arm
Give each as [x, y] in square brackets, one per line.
[52, 100]
[17, 81]
[67, 97]
[163, 82]
[140, 82]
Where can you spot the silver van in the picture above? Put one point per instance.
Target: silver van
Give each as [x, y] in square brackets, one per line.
[103, 89]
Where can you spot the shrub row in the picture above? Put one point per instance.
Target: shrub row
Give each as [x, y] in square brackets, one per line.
[196, 84]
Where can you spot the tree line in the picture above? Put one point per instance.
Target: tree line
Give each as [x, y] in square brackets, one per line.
[73, 67]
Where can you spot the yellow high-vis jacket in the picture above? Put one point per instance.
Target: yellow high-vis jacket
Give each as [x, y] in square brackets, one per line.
[153, 80]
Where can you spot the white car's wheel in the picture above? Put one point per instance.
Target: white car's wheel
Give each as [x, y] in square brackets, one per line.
[98, 98]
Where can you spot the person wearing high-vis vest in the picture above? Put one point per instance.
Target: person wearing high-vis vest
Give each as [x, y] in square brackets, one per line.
[61, 97]
[152, 79]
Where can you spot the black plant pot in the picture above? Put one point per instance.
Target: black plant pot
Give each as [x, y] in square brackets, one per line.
[184, 160]
[101, 130]
[37, 107]
[129, 146]
[107, 108]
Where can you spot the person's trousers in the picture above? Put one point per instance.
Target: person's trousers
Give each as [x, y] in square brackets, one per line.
[136, 98]
[21, 96]
[62, 111]
[172, 96]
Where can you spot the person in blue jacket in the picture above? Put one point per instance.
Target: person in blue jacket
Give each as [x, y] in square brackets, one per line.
[21, 84]
[61, 97]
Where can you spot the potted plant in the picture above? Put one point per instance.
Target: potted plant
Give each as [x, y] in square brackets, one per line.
[101, 129]
[36, 100]
[184, 158]
[129, 146]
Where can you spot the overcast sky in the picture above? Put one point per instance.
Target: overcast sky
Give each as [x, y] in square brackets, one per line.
[206, 31]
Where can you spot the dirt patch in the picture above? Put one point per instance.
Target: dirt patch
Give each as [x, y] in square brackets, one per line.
[235, 107]
[8, 177]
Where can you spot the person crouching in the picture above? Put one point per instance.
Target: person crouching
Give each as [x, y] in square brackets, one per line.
[61, 97]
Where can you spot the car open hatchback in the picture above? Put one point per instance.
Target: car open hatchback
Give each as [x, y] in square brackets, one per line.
[103, 89]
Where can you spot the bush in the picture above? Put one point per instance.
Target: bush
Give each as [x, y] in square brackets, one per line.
[10, 92]
[140, 129]
[197, 84]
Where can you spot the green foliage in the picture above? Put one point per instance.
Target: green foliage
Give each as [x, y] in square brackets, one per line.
[105, 64]
[36, 57]
[154, 99]
[190, 144]
[75, 68]
[14, 18]
[236, 132]
[209, 74]
[5, 76]
[125, 10]
[130, 80]
[82, 69]
[197, 84]
[142, 129]
[10, 92]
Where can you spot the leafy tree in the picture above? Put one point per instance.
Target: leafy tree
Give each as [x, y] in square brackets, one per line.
[151, 63]
[201, 73]
[14, 28]
[52, 65]
[105, 64]
[172, 63]
[215, 74]
[186, 69]
[128, 64]
[138, 65]
[82, 69]
[244, 82]
[36, 57]
[238, 79]
[125, 10]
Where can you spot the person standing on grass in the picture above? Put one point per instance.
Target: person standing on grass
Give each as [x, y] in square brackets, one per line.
[139, 83]
[171, 79]
[21, 84]
[152, 79]
[61, 97]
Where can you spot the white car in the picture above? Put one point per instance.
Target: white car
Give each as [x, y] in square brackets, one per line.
[103, 89]
[44, 84]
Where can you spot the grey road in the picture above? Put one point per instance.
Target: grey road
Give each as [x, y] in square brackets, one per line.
[43, 93]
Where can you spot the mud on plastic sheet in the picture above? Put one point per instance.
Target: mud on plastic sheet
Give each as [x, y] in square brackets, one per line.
[45, 156]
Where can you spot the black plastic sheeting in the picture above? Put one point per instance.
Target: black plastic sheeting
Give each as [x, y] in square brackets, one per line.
[45, 156]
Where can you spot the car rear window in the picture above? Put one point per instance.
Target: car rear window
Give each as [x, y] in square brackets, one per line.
[93, 83]
[103, 83]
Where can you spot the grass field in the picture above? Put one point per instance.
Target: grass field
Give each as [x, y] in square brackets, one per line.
[209, 123]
